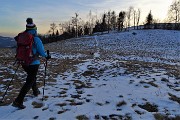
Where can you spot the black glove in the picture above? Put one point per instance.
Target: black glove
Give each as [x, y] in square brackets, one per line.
[48, 57]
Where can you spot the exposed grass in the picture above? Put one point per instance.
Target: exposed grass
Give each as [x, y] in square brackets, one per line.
[174, 98]
[62, 92]
[88, 73]
[37, 104]
[61, 104]
[61, 65]
[159, 116]
[52, 118]
[82, 117]
[121, 103]
[36, 117]
[150, 83]
[149, 107]
[139, 112]
[62, 111]
[113, 117]
[79, 84]
[164, 80]
[76, 103]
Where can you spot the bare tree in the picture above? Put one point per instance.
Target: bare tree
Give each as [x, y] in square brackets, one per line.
[53, 28]
[129, 16]
[156, 26]
[91, 22]
[81, 25]
[67, 26]
[108, 20]
[134, 13]
[174, 12]
[62, 28]
[75, 23]
[138, 15]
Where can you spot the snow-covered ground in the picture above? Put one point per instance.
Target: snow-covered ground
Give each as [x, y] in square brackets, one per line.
[130, 75]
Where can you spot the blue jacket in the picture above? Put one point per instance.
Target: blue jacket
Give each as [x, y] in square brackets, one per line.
[37, 48]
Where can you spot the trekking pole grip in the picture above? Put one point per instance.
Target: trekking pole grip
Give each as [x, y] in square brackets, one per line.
[48, 52]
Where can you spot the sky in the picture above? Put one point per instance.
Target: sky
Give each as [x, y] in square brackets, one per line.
[13, 13]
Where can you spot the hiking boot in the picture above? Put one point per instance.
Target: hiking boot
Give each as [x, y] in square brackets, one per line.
[36, 93]
[18, 105]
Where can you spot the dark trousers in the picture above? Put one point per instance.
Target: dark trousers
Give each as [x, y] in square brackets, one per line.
[31, 71]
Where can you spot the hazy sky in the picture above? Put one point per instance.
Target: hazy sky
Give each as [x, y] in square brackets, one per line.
[13, 13]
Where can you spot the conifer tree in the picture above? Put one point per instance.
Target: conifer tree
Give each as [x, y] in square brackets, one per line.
[103, 24]
[149, 20]
[57, 33]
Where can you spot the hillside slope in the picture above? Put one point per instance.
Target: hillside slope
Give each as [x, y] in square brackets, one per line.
[130, 75]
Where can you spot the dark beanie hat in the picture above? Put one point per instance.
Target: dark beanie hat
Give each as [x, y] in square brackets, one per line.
[29, 21]
[30, 25]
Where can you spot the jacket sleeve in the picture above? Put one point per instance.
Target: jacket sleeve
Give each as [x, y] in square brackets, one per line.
[40, 47]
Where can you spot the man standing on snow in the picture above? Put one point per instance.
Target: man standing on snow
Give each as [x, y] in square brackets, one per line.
[32, 69]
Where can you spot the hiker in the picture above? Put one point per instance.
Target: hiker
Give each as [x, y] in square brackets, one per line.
[32, 68]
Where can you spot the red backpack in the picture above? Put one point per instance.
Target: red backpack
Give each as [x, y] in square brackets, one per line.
[24, 53]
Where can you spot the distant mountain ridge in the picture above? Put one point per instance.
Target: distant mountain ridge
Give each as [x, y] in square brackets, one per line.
[6, 42]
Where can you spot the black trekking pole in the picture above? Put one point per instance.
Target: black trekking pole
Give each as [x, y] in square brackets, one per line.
[44, 82]
[9, 84]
